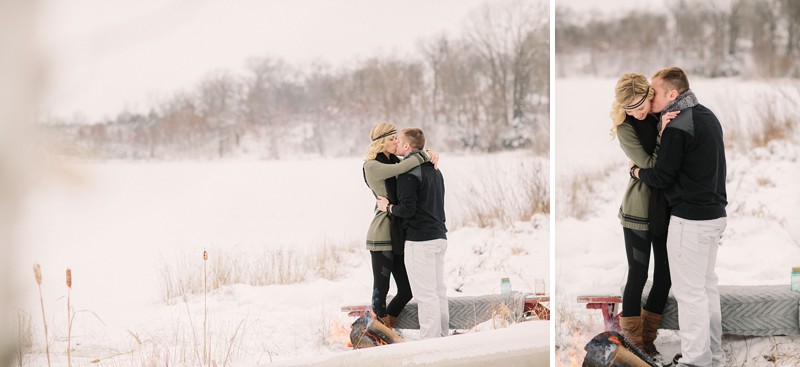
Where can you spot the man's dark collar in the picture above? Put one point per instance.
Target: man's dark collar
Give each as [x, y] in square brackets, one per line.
[412, 153]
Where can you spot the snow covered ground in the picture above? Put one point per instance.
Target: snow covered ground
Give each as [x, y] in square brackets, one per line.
[128, 229]
[508, 347]
[759, 246]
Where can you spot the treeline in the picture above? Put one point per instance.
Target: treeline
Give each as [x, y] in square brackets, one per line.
[751, 38]
[485, 89]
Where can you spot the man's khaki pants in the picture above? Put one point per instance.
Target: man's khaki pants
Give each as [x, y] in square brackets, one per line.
[692, 250]
[425, 266]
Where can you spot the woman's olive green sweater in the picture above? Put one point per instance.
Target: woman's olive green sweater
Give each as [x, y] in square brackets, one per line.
[379, 236]
[633, 213]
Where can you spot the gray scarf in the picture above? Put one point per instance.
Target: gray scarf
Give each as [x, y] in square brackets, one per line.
[684, 101]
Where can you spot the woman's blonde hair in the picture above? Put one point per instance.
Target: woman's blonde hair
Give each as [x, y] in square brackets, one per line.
[379, 137]
[629, 85]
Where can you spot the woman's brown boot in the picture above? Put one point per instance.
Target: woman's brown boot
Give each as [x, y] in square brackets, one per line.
[389, 320]
[650, 323]
[631, 328]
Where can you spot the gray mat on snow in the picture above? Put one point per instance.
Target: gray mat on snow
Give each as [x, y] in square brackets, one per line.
[748, 310]
[468, 311]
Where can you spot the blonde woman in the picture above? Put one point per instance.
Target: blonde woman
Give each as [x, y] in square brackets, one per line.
[385, 237]
[643, 214]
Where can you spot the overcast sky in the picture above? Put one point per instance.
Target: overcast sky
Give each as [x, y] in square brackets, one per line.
[103, 56]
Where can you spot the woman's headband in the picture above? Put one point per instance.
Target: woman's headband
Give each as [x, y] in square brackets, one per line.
[639, 103]
[390, 132]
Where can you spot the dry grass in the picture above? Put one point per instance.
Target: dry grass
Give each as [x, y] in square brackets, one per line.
[328, 261]
[579, 190]
[70, 317]
[180, 349]
[497, 195]
[518, 250]
[772, 124]
[37, 273]
[184, 275]
[764, 182]
[755, 210]
[225, 345]
[502, 315]
[232, 343]
[755, 122]
[569, 340]
[24, 335]
[205, 306]
[24, 328]
[785, 354]
[218, 268]
[781, 351]
[578, 193]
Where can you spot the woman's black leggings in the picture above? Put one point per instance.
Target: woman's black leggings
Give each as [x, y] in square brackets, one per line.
[637, 247]
[384, 264]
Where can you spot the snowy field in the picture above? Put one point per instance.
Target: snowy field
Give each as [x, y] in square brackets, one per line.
[759, 246]
[134, 234]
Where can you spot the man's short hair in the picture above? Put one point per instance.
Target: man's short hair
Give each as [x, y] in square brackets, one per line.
[415, 137]
[674, 77]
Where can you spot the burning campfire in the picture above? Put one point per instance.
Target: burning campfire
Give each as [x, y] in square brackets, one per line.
[367, 332]
[611, 349]
[338, 334]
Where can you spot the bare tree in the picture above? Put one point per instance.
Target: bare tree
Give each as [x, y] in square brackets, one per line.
[270, 98]
[219, 101]
[710, 38]
[486, 89]
[435, 54]
[791, 12]
[510, 39]
[324, 106]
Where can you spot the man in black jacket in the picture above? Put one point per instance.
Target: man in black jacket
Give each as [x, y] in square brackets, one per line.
[420, 194]
[691, 169]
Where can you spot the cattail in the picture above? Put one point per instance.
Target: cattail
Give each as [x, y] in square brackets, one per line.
[37, 273]
[205, 306]
[69, 318]
[20, 323]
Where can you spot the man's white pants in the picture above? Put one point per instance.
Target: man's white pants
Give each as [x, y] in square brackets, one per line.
[692, 250]
[425, 266]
